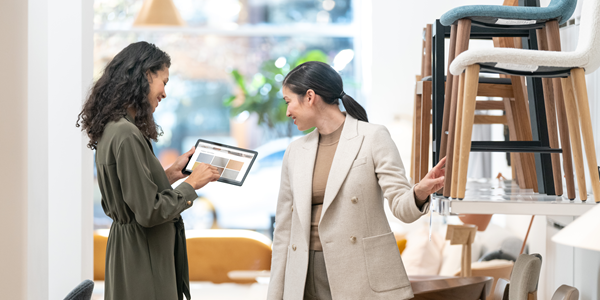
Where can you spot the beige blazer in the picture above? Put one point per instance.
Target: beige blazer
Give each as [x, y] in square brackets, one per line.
[362, 258]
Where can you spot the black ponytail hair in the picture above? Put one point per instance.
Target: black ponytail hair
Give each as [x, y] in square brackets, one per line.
[327, 83]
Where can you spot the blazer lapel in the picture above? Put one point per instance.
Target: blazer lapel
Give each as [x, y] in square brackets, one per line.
[305, 165]
[345, 154]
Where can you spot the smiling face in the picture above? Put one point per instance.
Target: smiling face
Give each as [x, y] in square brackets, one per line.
[300, 108]
[157, 82]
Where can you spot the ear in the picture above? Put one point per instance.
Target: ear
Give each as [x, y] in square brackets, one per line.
[149, 76]
[310, 97]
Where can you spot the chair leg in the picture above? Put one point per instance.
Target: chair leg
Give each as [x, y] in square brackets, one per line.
[524, 133]
[425, 127]
[574, 134]
[462, 44]
[448, 92]
[515, 158]
[468, 116]
[553, 38]
[581, 96]
[417, 133]
[551, 119]
[457, 132]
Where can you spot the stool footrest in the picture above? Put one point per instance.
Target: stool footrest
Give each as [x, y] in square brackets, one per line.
[512, 146]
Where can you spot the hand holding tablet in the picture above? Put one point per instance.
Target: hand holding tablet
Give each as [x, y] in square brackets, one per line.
[232, 164]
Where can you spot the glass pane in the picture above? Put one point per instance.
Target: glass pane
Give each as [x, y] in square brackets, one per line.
[120, 14]
[200, 81]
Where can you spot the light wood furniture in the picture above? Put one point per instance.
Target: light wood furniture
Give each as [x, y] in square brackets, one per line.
[497, 269]
[100, 241]
[214, 253]
[463, 235]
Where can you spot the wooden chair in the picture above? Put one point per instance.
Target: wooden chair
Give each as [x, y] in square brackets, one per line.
[489, 87]
[461, 20]
[100, 241]
[214, 253]
[463, 235]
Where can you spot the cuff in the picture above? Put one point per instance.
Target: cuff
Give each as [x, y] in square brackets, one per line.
[188, 192]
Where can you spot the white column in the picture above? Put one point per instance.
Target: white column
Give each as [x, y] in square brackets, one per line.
[59, 169]
[13, 150]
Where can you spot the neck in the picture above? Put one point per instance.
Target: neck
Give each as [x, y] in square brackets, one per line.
[330, 119]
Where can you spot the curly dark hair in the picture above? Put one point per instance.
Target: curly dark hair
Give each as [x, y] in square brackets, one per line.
[124, 84]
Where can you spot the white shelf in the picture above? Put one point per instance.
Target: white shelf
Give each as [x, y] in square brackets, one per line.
[492, 196]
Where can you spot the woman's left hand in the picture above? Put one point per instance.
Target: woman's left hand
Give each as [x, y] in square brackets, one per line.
[174, 172]
[433, 181]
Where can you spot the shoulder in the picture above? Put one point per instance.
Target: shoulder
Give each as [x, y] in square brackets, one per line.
[116, 133]
[372, 130]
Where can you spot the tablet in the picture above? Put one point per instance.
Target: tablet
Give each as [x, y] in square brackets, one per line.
[232, 163]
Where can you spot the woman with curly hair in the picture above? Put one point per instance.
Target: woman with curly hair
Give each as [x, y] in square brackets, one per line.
[146, 254]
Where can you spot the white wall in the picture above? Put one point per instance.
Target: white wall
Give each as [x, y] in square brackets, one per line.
[46, 176]
[13, 149]
[60, 216]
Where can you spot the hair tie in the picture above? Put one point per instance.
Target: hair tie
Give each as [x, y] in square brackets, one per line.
[342, 94]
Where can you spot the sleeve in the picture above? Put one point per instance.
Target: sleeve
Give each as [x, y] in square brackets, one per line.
[281, 236]
[150, 206]
[392, 178]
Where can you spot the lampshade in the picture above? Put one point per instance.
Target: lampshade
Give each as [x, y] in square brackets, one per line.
[583, 232]
[158, 13]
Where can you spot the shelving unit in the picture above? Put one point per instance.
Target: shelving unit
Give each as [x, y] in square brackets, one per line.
[493, 196]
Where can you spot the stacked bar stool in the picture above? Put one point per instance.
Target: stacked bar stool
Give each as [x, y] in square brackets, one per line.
[569, 67]
[506, 18]
[489, 87]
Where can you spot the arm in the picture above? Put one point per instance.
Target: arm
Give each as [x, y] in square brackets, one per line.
[392, 179]
[281, 236]
[150, 206]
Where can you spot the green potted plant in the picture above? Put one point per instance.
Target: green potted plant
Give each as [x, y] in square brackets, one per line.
[261, 94]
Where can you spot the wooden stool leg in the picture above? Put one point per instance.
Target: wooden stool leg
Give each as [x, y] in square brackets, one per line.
[468, 261]
[425, 127]
[457, 132]
[448, 92]
[581, 96]
[515, 158]
[551, 119]
[553, 37]
[470, 95]
[417, 132]
[462, 44]
[574, 134]
[524, 133]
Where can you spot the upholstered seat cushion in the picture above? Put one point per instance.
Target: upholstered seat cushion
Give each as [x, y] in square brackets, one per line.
[560, 10]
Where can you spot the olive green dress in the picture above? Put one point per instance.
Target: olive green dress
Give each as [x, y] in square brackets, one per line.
[146, 257]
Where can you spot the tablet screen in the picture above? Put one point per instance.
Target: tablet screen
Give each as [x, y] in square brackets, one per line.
[232, 163]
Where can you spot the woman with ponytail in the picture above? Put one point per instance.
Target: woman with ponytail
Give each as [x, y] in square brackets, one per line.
[332, 239]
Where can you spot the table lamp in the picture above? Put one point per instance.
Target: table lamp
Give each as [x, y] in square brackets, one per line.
[583, 232]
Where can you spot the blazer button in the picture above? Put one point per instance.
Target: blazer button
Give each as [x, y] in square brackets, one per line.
[294, 247]
[354, 199]
[189, 203]
[292, 208]
[353, 239]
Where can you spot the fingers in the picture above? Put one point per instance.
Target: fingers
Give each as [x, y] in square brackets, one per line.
[441, 163]
[191, 152]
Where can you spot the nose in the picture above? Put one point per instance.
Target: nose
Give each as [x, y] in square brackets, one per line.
[287, 113]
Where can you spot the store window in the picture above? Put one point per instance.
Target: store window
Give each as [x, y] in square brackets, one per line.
[257, 40]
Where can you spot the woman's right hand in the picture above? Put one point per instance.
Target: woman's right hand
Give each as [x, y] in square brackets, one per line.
[202, 174]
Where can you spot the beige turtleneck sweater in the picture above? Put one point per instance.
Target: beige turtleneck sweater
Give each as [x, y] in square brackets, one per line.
[327, 145]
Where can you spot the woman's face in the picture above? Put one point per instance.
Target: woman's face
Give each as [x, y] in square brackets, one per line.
[157, 83]
[300, 108]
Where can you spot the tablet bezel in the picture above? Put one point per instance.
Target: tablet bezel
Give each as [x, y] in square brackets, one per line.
[224, 180]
